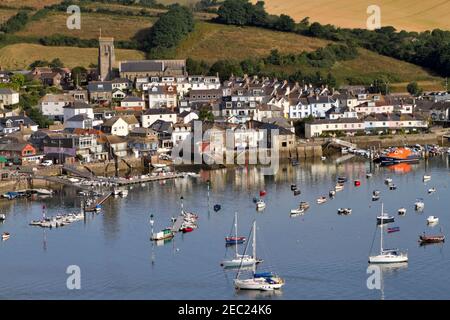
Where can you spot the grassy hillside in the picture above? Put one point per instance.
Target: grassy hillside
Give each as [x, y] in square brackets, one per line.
[120, 27]
[29, 3]
[22, 55]
[211, 42]
[411, 15]
[6, 14]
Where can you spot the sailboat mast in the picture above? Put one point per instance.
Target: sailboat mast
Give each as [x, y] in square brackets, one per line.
[236, 233]
[254, 245]
[381, 226]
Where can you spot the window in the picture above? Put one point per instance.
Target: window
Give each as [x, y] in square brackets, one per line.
[284, 144]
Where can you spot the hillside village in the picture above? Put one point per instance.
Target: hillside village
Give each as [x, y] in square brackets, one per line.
[144, 108]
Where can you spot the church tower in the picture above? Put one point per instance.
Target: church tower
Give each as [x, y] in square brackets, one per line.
[106, 58]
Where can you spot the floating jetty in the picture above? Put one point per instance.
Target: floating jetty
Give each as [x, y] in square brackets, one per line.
[146, 178]
[98, 202]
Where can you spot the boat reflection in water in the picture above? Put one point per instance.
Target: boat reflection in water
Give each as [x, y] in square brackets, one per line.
[402, 168]
[256, 294]
[387, 271]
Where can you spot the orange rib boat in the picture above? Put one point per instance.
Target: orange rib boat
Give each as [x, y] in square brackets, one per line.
[399, 155]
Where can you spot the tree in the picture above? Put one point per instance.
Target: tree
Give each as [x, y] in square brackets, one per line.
[56, 63]
[226, 68]
[39, 64]
[414, 89]
[18, 81]
[196, 67]
[79, 75]
[205, 115]
[170, 28]
[284, 23]
[238, 12]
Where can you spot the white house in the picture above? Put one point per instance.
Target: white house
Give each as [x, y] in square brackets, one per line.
[181, 131]
[312, 106]
[159, 96]
[52, 105]
[16, 123]
[152, 115]
[77, 108]
[80, 121]
[187, 116]
[116, 126]
[122, 84]
[348, 126]
[132, 102]
[8, 97]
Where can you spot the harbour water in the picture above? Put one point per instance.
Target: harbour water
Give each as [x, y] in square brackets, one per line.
[321, 255]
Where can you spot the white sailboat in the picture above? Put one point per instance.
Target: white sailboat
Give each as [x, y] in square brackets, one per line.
[388, 255]
[240, 260]
[262, 281]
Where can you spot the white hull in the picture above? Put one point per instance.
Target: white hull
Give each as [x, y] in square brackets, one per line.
[235, 263]
[256, 284]
[388, 258]
[297, 211]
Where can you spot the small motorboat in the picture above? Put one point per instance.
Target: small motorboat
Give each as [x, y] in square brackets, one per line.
[260, 205]
[297, 212]
[344, 211]
[304, 205]
[123, 193]
[375, 197]
[234, 240]
[424, 239]
[392, 187]
[432, 220]
[426, 177]
[339, 187]
[342, 179]
[297, 192]
[2, 217]
[322, 200]
[293, 187]
[116, 192]
[332, 193]
[357, 183]
[388, 180]
[217, 207]
[323, 158]
[419, 205]
[369, 175]
[401, 211]
[187, 229]
[5, 236]
[376, 192]
[385, 218]
[431, 190]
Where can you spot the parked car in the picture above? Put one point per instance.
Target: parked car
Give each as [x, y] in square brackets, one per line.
[46, 163]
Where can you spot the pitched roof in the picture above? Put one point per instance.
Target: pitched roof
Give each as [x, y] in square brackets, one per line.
[132, 99]
[141, 66]
[156, 111]
[79, 117]
[99, 86]
[78, 105]
[7, 91]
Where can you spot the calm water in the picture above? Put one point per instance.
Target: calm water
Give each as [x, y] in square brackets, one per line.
[321, 255]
